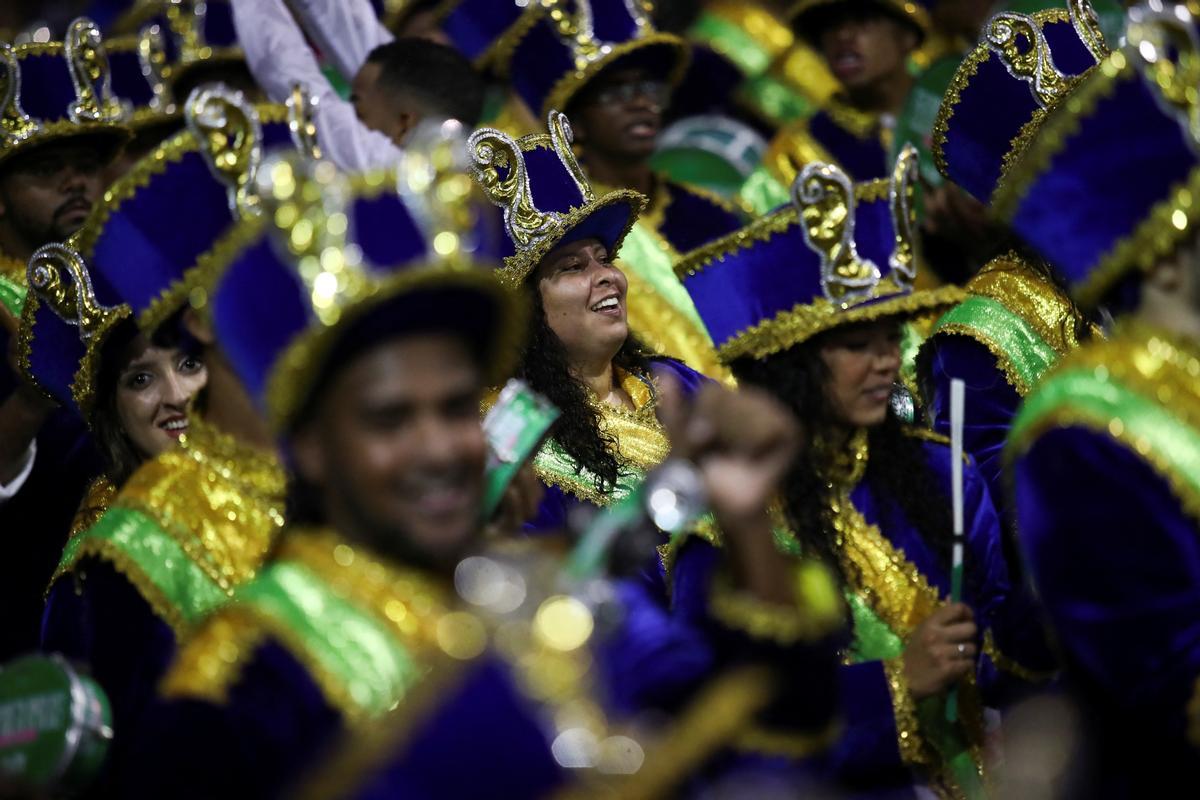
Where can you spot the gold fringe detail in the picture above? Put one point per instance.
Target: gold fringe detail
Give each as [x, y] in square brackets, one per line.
[212, 660]
[1155, 237]
[758, 739]
[519, 267]
[159, 603]
[790, 328]
[99, 496]
[290, 380]
[961, 81]
[913, 750]
[220, 500]
[566, 87]
[1153, 365]
[817, 613]
[1006, 664]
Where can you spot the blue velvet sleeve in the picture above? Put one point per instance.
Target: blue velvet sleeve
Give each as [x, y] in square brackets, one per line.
[989, 407]
[483, 722]
[652, 658]
[1117, 564]
[867, 753]
[807, 697]
[96, 618]
[273, 725]
[553, 512]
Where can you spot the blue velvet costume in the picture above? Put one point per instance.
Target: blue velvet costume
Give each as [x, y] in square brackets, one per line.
[66, 459]
[330, 636]
[543, 67]
[1015, 323]
[1112, 543]
[772, 287]
[1103, 452]
[193, 522]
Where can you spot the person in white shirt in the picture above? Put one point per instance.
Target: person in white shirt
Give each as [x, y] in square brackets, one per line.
[396, 83]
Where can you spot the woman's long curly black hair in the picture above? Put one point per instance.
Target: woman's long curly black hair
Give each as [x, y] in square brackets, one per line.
[897, 470]
[544, 366]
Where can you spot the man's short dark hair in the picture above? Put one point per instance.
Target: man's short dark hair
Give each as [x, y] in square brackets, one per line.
[439, 78]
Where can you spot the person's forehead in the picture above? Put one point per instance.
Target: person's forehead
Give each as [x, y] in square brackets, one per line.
[570, 249]
[620, 76]
[56, 150]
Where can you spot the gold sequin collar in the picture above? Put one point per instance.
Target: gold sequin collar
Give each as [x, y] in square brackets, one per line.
[641, 440]
[863, 124]
[1016, 285]
[12, 268]
[251, 470]
[221, 500]
[843, 467]
[411, 603]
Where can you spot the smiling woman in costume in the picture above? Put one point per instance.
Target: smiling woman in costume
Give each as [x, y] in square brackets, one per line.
[807, 303]
[580, 354]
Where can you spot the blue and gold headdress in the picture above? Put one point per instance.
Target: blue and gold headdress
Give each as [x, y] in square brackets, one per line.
[915, 12]
[153, 234]
[204, 34]
[141, 66]
[840, 253]
[340, 260]
[546, 198]
[1022, 67]
[68, 317]
[561, 45]
[51, 91]
[485, 31]
[1111, 183]
[144, 250]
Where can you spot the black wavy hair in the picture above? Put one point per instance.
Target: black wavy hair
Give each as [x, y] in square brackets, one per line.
[897, 471]
[441, 79]
[544, 366]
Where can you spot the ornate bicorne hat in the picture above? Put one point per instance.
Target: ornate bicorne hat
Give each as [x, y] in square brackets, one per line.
[545, 197]
[205, 37]
[338, 262]
[806, 15]
[485, 31]
[841, 253]
[141, 67]
[154, 234]
[1022, 67]
[1111, 183]
[50, 91]
[567, 43]
[68, 317]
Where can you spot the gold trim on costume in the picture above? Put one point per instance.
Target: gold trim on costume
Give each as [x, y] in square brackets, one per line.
[908, 9]
[1156, 366]
[1158, 234]
[99, 496]
[1006, 664]
[913, 750]
[1052, 89]
[535, 233]
[221, 500]
[789, 328]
